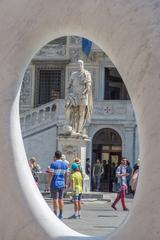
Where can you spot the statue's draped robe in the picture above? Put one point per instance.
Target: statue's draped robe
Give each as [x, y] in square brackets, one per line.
[80, 94]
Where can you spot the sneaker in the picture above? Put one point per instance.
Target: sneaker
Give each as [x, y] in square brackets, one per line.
[79, 216]
[114, 207]
[125, 209]
[60, 217]
[73, 217]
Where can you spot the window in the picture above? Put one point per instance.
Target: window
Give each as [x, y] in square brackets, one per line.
[49, 82]
[114, 88]
[49, 85]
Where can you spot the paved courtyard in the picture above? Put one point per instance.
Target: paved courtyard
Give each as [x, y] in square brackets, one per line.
[98, 218]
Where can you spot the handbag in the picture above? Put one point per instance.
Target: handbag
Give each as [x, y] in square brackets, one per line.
[116, 187]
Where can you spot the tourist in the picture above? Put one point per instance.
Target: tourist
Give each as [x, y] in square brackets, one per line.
[65, 160]
[35, 168]
[80, 169]
[128, 178]
[58, 183]
[76, 185]
[121, 181]
[97, 173]
[134, 177]
[88, 167]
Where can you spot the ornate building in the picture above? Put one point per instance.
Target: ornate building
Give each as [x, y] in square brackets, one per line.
[112, 130]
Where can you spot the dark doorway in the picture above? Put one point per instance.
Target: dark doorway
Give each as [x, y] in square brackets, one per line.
[107, 146]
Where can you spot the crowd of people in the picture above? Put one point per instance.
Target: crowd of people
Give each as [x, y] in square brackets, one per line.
[123, 179]
[62, 177]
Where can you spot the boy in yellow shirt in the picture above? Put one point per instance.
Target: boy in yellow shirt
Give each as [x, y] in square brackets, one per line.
[76, 181]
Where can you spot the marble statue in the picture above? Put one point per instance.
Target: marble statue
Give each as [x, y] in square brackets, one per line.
[79, 103]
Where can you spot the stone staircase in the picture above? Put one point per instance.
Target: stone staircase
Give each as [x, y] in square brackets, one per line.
[43, 117]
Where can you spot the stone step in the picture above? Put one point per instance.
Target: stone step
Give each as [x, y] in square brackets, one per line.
[86, 195]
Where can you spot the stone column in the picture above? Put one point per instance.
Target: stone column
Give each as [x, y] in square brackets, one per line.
[129, 143]
[137, 150]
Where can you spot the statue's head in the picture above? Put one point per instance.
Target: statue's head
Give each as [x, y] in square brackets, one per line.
[81, 64]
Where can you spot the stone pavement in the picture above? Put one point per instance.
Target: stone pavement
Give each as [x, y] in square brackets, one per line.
[98, 218]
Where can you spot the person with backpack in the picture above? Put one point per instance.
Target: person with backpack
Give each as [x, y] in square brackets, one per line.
[122, 184]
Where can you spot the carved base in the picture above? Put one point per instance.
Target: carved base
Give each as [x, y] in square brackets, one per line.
[74, 146]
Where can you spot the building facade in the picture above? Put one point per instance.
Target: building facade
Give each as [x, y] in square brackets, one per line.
[112, 130]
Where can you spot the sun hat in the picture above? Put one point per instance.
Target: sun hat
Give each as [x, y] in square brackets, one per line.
[77, 160]
[74, 166]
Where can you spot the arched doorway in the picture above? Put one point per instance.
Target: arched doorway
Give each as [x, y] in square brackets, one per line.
[106, 146]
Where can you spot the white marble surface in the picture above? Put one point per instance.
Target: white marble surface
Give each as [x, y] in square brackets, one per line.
[128, 31]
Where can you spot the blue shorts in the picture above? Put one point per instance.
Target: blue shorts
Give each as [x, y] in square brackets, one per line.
[77, 197]
[57, 193]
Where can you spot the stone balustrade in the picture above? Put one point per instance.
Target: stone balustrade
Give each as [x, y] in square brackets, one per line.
[49, 112]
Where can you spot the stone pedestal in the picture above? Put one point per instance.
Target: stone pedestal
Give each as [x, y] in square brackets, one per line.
[75, 146]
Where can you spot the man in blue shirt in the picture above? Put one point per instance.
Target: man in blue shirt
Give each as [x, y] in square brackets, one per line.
[58, 183]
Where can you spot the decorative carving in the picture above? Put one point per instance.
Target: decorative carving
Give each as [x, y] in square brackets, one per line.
[75, 40]
[26, 89]
[52, 50]
[108, 109]
[75, 54]
[70, 151]
[102, 109]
